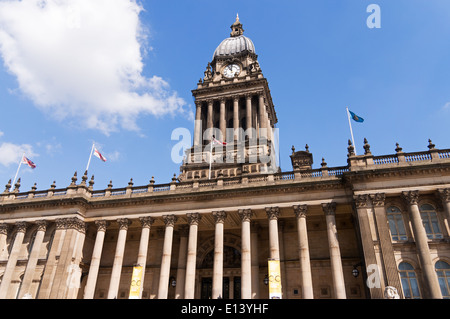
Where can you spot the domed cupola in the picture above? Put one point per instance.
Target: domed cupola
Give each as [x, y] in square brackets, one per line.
[236, 44]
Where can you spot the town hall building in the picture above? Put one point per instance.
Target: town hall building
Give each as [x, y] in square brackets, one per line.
[375, 228]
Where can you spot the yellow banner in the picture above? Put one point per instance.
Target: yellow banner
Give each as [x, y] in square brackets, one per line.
[274, 279]
[136, 279]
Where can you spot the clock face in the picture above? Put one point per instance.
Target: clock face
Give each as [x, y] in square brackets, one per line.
[231, 70]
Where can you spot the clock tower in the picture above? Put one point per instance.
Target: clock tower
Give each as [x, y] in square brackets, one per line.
[235, 117]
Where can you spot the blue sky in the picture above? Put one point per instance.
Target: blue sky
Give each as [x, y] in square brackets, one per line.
[120, 73]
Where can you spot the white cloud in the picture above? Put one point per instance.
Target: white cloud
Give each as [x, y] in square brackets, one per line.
[446, 106]
[81, 61]
[12, 153]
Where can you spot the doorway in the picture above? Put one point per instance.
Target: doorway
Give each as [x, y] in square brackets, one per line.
[231, 288]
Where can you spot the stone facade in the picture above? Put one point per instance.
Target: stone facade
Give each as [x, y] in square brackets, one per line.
[339, 232]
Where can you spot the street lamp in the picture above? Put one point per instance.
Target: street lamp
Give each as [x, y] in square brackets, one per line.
[355, 271]
[266, 280]
[173, 281]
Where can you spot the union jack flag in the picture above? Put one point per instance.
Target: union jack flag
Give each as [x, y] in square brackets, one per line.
[25, 160]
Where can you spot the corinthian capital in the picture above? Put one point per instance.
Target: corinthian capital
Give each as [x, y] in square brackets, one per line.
[329, 208]
[245, 214]
[411, 197]
[300, 210]
[273, 212]
[361, 200]
[170, 220]
[220, 216]
[444, 194]
[378, 199]
[193, 218]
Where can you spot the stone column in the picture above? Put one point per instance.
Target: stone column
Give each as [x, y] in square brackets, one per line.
[3, 236]
[262, 116]
[181, 270]
[67, 275]
[217, 284]
[387, 250]
[52, 260]
[367, 238]
[169, 221]
[444, 194]
[335, 254]
[432, 289]
[118, 258]
[236, 117]
[198, 124]
[255, 260]
[89, 289]
[209, 120]
[189, 288]
[146, 223]
[222, 121]
[303, 252]
[32, 260]
[21, 228]
[246, 263]
[272, 214]
[248, 98]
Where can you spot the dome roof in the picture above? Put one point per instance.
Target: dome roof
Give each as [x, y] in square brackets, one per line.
[234, 45]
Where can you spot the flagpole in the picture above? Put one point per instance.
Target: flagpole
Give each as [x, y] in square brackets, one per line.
[17, 173]
[351, 131]
[210, 160]
[90, 156]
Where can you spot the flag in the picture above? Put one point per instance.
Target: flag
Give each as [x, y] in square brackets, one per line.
[215, 141]
[356, 118]
[99, 155]
[25, 160]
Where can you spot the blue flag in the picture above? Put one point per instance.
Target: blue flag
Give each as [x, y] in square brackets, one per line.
[356, 118]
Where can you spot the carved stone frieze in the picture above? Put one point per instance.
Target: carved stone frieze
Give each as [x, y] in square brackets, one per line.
[378, 199]
[361, 201]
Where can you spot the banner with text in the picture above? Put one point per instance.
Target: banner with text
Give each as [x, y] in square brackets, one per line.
[274, 279]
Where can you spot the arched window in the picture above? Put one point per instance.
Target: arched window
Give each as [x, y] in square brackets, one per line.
[396, 224]
[443, 273]
[430, 221]
[408, 278]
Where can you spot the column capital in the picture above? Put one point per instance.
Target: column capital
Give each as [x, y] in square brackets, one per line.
[41, 225]
[411, 197]
[21, 226]
[378, 199]
[361, 201]
[70, 223]
[170, 220]
[4, 229]
[245, 214]
[329, 208]
[219, 216]
[101, 224]
[146, 221]
[444, 194]
[123, 223]
[193, 218]
[273, 212]
[236, 97]
[300, 210]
